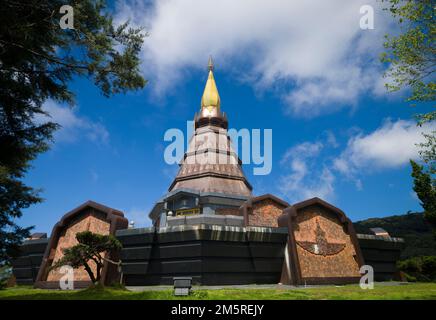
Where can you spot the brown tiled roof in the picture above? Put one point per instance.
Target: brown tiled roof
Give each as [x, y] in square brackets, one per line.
[211, 165]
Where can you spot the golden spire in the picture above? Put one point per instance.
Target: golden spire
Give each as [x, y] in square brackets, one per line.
[211, 98]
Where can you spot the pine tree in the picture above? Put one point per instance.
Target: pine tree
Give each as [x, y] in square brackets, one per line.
[38, 61]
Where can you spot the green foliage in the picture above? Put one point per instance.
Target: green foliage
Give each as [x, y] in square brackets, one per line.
[91, 247]
[5, 274]
[415, 230]
[412, 63]
[425, 188]
[428, 152]
[411, 54]
[38, 60]
[419, 268]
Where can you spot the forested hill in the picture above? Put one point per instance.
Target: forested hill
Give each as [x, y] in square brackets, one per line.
[411, 226]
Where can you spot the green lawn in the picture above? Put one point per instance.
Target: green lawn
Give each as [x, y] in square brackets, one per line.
[393, 292]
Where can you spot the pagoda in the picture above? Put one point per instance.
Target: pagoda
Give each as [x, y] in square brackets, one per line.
[210, 185]
[210, 229]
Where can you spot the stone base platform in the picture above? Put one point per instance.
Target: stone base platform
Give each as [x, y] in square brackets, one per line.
[210, 254]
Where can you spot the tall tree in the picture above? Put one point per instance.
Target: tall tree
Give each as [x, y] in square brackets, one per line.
[411, 56]
[425, 188]
[38, 60]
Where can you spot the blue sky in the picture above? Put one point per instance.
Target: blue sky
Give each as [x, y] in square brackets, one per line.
[336, 133]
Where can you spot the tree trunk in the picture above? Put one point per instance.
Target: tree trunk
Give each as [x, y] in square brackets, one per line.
[91, 275]
[98, 272]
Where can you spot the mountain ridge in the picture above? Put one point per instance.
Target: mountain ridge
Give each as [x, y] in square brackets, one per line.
[416, 232]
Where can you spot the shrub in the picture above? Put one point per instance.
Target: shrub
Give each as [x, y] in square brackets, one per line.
[5, 274]
[419, 268]
[429, 266]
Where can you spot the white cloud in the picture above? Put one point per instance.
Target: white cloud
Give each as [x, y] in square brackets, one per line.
[302, 151]
[305, 179]
[309, 173]
[314, 50]
[73, 127]
[331, 139]
[390, 146]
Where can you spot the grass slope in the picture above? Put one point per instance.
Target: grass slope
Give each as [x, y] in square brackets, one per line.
[417, 291]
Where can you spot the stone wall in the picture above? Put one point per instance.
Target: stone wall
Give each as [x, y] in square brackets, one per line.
[219, 249]
[381, 253]
[90, 216]
[212, 219]
[90, 221]
[324, 249]
[265, 213]
[228, 211]
[210, 254]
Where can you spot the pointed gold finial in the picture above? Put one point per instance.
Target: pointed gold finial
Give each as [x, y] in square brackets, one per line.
[211, 98]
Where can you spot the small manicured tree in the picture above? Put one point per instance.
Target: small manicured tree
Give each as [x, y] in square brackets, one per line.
[91, 247]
